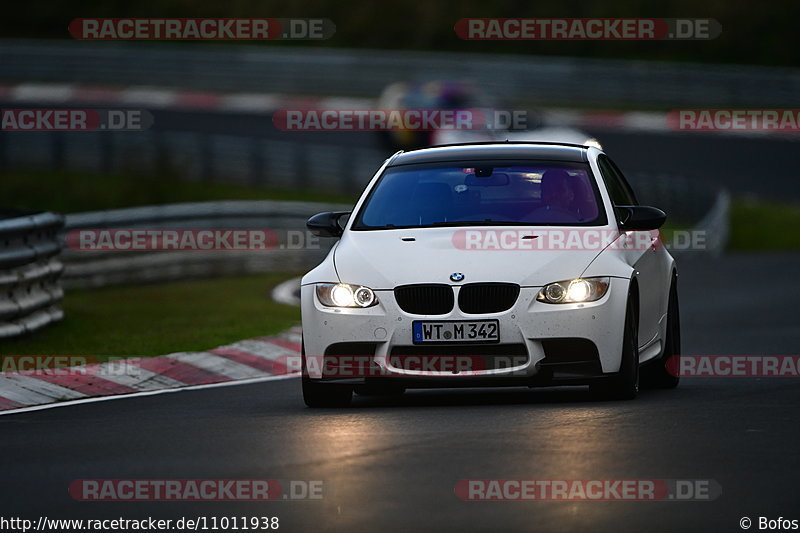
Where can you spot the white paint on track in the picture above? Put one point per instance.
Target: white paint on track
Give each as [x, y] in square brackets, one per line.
[20, 391]
[216, 364]
[263, 349]
[148, 393]
[141, 379]
[285, 292]
[149, 96]
[37, 92]
[44, 388]
[22, 395]
[245, 102]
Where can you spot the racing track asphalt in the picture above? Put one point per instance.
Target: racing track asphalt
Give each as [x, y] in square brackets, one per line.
[391, 465]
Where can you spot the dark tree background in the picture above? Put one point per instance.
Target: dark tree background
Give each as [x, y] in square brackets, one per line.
[763, 32]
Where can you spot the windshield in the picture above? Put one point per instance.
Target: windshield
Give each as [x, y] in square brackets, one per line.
[472, 193]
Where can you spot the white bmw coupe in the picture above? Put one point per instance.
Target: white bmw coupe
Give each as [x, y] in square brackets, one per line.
[491, 264]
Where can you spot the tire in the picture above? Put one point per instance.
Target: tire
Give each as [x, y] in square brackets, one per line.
[317, 394]
[624, 385]
[656, 374]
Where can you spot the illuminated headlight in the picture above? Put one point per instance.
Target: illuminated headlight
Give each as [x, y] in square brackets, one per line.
[574, 291]
[345, 295]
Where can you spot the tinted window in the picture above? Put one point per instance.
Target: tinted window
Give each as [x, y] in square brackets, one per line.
[480, 193]
[618, 188]
[624, 182]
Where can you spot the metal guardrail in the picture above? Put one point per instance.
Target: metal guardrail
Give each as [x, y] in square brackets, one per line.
[345, 72]
[30, 292]
[88, 269]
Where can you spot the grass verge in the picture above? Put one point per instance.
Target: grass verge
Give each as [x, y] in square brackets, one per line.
[149, 320]
[761, 225]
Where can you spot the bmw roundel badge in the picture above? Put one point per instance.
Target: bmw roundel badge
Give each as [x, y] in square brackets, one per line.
[456, 276]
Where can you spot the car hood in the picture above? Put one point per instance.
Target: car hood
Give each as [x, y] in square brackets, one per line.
[384, 259]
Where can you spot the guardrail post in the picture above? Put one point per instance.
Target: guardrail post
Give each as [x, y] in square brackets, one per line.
[30, 291]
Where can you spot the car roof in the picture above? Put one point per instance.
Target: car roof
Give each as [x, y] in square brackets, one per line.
[493, 150]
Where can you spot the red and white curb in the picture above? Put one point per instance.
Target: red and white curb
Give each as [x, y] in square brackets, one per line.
[288, 292]
[152, 97]
[167, 98]
[247, 360]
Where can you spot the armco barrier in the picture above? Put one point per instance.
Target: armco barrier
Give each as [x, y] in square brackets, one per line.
[30, 293]
[99, 268]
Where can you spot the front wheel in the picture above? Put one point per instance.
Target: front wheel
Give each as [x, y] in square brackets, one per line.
[317, 394]
[624, 385]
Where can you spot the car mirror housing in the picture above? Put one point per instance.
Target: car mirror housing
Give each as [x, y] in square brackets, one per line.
[639, 217]
[326, 224]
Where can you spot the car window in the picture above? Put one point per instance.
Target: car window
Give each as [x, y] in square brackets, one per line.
[622, 180]
[483, 192]
[618, 188]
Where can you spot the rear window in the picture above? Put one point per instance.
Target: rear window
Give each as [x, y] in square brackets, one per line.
[550, 193]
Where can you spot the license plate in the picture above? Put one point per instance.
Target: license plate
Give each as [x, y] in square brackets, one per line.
[456, 331]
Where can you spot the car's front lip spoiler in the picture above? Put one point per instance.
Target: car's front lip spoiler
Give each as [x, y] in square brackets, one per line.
[436, 382]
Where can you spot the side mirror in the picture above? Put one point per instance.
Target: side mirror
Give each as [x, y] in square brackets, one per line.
[639, 217]
[326, 224]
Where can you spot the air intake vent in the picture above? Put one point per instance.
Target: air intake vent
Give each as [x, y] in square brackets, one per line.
[479, 298]
[433, 299]
[464, 356]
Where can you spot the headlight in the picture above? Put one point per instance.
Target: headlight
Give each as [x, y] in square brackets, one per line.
[345, 295]
[574, 291]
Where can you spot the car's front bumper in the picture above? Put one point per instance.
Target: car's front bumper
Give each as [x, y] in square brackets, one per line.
[550, 337]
